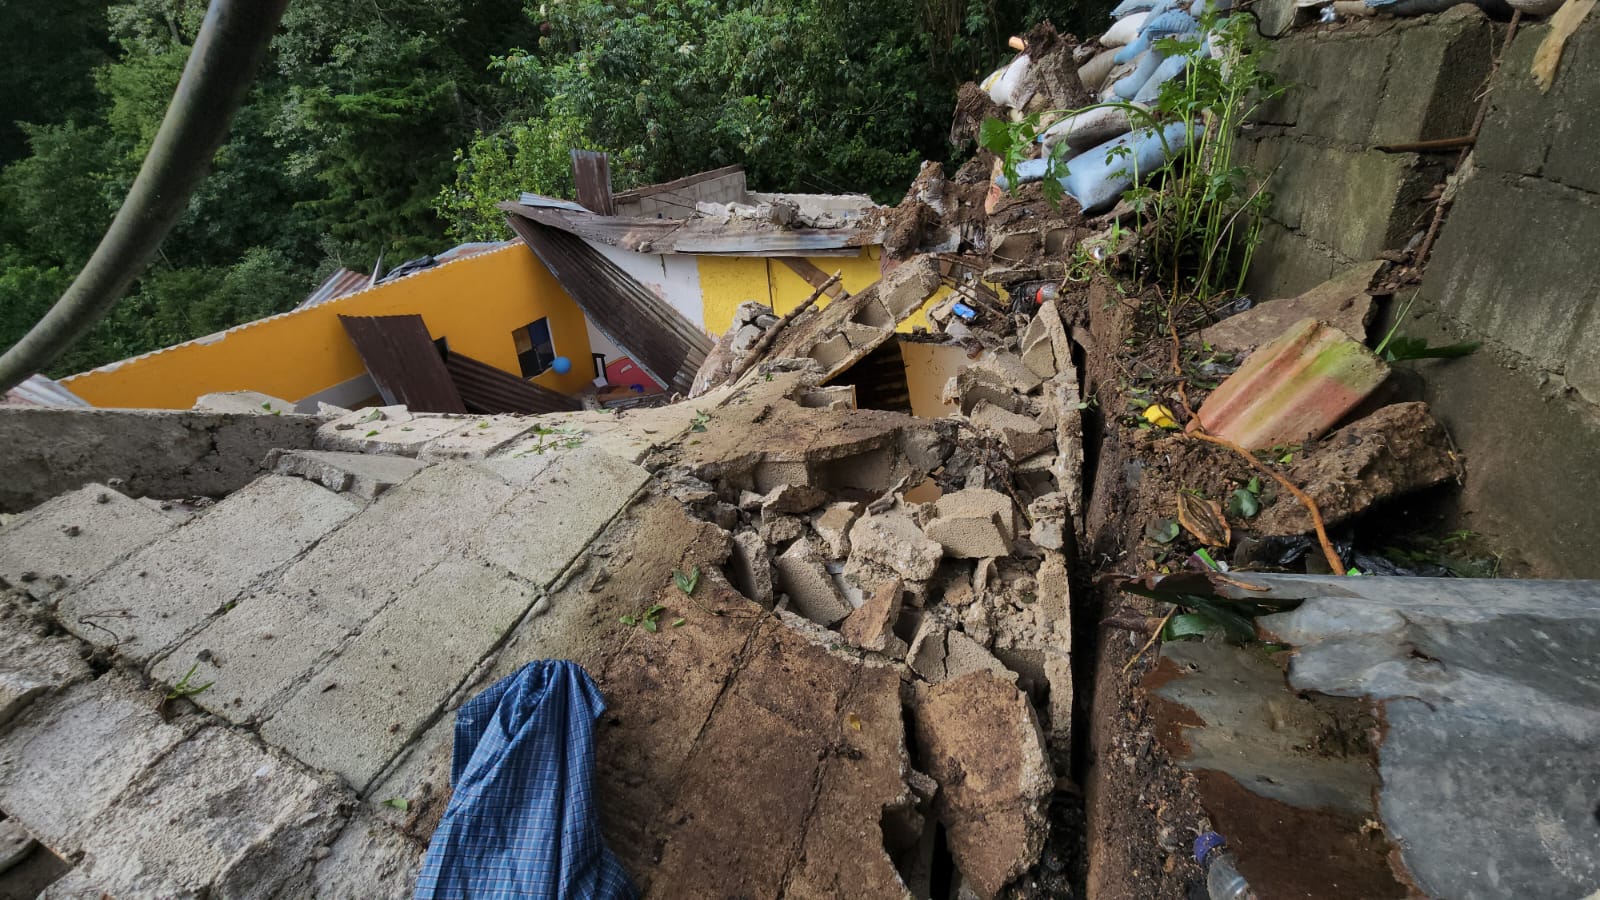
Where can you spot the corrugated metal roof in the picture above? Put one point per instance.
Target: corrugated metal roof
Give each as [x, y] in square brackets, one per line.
[487, 390]
[336, 285]
[737, 237]
[591, 172]
[664, 343]
[38, 390]
[403, 362]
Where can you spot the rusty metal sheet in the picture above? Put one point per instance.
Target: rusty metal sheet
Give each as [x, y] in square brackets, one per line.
[405, 365]
[487, 390]
[666, 345]
[673, 187]
[591, 172]
[706, 236]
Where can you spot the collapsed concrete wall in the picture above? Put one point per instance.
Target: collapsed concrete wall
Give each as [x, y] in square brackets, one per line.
[152, 453]
[1510, 267]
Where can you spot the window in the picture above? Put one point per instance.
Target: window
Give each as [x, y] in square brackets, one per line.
[535, 350]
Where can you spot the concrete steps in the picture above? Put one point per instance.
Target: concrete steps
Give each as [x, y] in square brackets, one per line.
[334, 612]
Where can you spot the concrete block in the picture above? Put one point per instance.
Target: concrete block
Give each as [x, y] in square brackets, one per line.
[1434, 74]
[1023, 436]
[939, 653]
[389, 430]
[811, 590]
[387, 684]
[1010, 371]
[217, 816]
[893, 540]
[1038, 351]
[1342, 302]
[793, 498]
[750, 569]
[255, 652]
[364, 474]
[156, 453]
[1545, 133]
[477, 438]
[832, 524]
[519, 470]
[1357, 204]
[1495, 245]
[909, 285]
[150, 600]
[71, 538]
[66, 758]
[772, 474]
[972, 524]
[541, 531]
[394, 541]
[972, 386]
[35, 665]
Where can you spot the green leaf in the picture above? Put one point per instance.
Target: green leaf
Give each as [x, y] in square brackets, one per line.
[628, 620]
[687, 581]
[399, 803]
[1254, 484]
[1186, 625]
[1243, 504]
[650, 625]
[1400, 349]
[678, 622]
[654, 610]
[995, 136]
[1162, 531]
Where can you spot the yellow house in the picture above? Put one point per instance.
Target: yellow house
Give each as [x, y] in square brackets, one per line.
[506, 308]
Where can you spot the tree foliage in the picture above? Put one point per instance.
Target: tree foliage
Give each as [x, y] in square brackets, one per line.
[386, 130]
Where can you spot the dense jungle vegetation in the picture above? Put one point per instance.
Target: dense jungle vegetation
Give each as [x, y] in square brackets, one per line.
[390, 128]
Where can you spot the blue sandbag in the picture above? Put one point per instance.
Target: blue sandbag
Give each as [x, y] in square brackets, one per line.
[523, 820]
[1165, 24]
[1170, 68]
[1128, 86]
[1129, 7]
[1097, 183]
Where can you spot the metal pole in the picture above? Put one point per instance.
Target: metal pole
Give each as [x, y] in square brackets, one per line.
[232, 43]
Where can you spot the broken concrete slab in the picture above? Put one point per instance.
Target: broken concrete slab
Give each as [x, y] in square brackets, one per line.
[1009, 369]
[364, 474]
[777, 529]
[253, 402]
[216, 816]
[892, 539]
[750, 568]
[389, 430]
[1292, 390]
[66, 540]
[871, 626]
[255, 652]
[803, 577]
[939, 653]
[35, 664]
[793, 498]
[978, 738]
[832, 524]
[1393, 452]
[369, 859]
[907, 286]
[1022, 436]
[541, 531]
[1038, 348]
[151, 599]
[1341, 302]
[1049, 513]
[378, 688]
[477, 437]
[66, 758]
[972, 524]
[357, 569]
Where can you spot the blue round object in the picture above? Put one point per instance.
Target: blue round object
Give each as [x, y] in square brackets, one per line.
[561, 365]
[1207, 844]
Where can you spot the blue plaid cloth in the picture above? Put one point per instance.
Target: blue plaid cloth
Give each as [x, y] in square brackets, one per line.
[522, 821]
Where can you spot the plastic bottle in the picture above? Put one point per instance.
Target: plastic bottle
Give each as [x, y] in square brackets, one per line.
[1223, 881]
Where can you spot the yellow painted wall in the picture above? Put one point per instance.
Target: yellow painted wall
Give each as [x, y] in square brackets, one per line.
[727, 281]
[476, 302]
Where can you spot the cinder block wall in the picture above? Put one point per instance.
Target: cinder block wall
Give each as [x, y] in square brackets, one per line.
[1337, 199]
[1514, 265]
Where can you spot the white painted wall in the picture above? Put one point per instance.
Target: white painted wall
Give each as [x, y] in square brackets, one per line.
[674, 277]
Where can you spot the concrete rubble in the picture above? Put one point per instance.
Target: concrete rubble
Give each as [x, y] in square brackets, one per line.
[288, 659]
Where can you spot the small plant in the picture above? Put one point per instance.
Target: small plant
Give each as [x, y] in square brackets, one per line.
[698, 423]
[1245, 502]
[399, 803]
[687, 581]
[546, 438]
[185, 687]
[649, 619]
[1397, 348]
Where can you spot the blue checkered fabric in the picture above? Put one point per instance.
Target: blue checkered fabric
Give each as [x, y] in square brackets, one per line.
[523, 820]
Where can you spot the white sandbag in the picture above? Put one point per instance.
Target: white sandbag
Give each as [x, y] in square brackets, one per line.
[1004, 91]
[1092, 74]
[1088, 128]
[1124, 31]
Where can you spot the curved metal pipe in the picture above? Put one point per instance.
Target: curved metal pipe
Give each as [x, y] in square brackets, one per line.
[231, 45]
